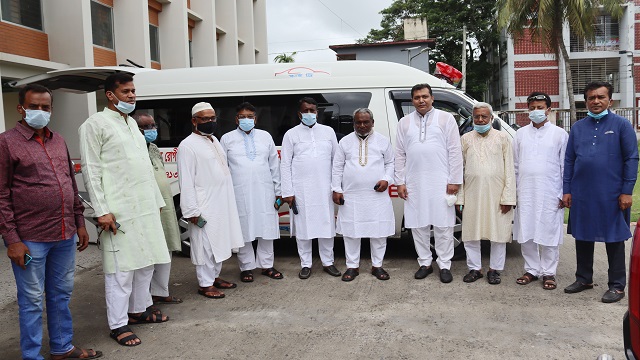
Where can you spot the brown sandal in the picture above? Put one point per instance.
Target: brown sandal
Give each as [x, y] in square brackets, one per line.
[211, 292]
[78, 353]
[549, 282]
[526, 278]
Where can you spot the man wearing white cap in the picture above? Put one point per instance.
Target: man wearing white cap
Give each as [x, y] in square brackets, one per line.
[207, 201]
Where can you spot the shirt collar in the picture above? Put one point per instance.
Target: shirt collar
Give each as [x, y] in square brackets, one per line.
[29, 133]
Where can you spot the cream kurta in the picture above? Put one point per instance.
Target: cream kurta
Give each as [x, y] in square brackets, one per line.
[489, 181]
[307, 155]
[206, 190]
[538, 155]
[255, 170]
[168, 213]
[427, 158]
[119, 178]
[357, 166]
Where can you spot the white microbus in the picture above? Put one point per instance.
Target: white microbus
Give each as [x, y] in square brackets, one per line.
[274, 89]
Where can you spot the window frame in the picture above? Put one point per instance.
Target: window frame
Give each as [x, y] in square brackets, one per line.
[41, 29]
[156, 43]
[113, 37]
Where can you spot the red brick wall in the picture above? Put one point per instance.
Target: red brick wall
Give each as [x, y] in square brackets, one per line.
[23, 41]
[106, 2]
[541, 63]
[104, 57]
[527, 81]
[522, 119]
[525, 45]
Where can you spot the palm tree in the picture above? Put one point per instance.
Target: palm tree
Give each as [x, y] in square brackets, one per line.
[284, 58]
[545, 20]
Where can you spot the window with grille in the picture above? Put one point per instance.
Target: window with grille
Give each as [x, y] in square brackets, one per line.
[24, 12]
[154, 43]
[585, 71]
[101, 25]
[606, 36]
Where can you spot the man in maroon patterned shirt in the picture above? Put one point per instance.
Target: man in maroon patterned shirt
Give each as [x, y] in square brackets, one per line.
[41, 223]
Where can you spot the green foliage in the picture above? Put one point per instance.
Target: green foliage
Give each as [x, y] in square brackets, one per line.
[284, 58]
[445, 19]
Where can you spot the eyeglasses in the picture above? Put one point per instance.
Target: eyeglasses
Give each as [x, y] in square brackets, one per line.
[206, 118]
[537, 97]
[483, 117]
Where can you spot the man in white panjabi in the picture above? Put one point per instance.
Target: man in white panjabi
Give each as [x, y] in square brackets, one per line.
[488, 193]
[207, 201]
[538, 156]
[362, 172]
[307, 154]
[255, 170]
[428, 173]
[161, 272]
[125, 197]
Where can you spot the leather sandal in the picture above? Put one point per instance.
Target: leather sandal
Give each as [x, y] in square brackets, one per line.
[493, 277]
[350, 274]
[246, 276]
[472, 276]
[527, 278]
[379, 273]
[549, 282]
[272, 273]
[115, 333]
[78, 353]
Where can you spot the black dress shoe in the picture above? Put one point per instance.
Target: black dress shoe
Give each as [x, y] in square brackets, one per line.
[577, 287]
[305, 272]
[423, 272]
[612, 295]
[445, 276]
[331, 270]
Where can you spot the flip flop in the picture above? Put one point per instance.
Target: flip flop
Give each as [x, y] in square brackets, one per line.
[78, 353]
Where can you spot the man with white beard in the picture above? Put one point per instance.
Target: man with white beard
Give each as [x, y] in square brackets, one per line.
[538, 157]
[428, 173]
[362, 171]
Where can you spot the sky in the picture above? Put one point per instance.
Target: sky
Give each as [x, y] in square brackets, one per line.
[310, 26]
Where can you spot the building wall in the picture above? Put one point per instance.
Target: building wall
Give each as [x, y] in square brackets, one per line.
[391, 53]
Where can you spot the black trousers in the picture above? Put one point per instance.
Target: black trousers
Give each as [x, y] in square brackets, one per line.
[617, 263]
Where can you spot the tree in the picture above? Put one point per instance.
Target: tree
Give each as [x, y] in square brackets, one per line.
[445, 19]
[545, 21]
[284, 58]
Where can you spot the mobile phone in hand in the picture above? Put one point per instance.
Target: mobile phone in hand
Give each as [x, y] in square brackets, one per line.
[201, 221]
[294, 208]
[341, 201]
[27, 259]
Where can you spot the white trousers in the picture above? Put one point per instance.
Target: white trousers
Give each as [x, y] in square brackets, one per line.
[262, 258]
[352, 251]
[211, 269]
[127, 292]
[540, 260]
[474, 257]
[325, 247]
[443, 244]
[160, 279]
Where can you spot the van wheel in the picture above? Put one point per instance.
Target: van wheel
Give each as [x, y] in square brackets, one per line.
[185, 242]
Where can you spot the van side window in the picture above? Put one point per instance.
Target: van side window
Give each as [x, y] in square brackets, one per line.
[444, 101]
[276, 113]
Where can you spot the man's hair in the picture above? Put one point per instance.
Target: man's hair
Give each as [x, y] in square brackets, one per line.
[112, 82]
[307, 100]
[138, 116]
[596, 85]
[483, 105]
[34, 88]
[245, 106]
[535, 96]
[420, 87]
[362, 111]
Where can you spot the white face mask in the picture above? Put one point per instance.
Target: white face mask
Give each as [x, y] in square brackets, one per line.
[37, 119]
[308, 119]
[537, 116]
[124, 107]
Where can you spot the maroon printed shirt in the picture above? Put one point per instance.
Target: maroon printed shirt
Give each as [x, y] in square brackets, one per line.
[38, 194]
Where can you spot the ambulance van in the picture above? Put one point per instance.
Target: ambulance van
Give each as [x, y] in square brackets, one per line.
[274, 89]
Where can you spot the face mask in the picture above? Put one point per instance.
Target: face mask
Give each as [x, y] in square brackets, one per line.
[124, 107]
[246, 124]
[150, 135]
[598, 116]
[308, 119]
[207, 128]
[537, 116]
[482, 128]
[37, 119]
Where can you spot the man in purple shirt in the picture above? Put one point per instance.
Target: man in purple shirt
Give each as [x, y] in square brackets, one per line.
[41, 223]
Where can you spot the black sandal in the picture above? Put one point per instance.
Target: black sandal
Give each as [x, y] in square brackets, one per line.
[350, 274]
[472, 276]
[493, 277]
[149, 316]
[272, 273]
[246, 276]
[379, 273]
[123, 341]
[549, 282]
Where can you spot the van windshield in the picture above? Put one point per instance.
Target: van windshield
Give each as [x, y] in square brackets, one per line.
[276, 113]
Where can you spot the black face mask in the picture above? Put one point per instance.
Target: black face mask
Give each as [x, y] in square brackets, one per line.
[207, 128]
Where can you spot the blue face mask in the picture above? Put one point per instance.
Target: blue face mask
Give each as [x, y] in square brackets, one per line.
[309, 119]
[124, 107]
[537, 116]
[482, 128]
[246, 124]
[37, 119]
[151, 135]
[598, 116]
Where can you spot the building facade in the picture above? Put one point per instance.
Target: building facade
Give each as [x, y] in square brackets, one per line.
[37, 36]
[525, 65]
[414, 53]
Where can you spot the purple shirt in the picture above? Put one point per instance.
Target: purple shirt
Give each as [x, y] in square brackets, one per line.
[38, 194]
